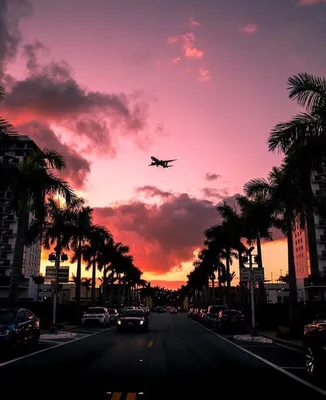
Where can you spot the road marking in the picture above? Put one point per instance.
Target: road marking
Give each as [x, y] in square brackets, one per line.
[150, 344]
[290, 348]
[259, 346]
[51, 348]
[131, 396]
[270, 364]
[49, 341]
[116, 396]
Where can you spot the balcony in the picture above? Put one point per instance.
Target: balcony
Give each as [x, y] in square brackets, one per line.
[323, 254]
[322, 239]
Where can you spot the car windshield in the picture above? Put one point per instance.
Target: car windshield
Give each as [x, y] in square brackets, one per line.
[97, 310]
[6, 316]
[112, 311]
[215, 309]
[133, 313]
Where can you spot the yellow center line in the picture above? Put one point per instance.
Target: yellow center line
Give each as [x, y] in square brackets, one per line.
[116, 396]
[150, 344]
[131, 396]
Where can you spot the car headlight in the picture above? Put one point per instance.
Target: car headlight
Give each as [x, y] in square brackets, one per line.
[119, 322]
[141, 322]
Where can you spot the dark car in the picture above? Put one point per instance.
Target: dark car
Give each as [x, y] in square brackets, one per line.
[133, 320]
[230, 321]
[113, 314]
[314, 341]
[19, 327]
[212, 314]
[161, 309]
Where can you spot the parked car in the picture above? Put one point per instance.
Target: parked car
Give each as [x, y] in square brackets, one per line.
[161, 309]
[173, 310]
[96, 315]
[133, 320]
[230, 321]
[314, 341]
[19, 327]
[212, 314]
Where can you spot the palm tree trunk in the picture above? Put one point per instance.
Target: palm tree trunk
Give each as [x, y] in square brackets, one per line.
[293, 292]
[78, 275]
[220, 287]
[93, 294]
[119, 289]
[228, 280]
[16, 267]
[213, 289]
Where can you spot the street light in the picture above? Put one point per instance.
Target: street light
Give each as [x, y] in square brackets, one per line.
[56, 258]
[252, 292]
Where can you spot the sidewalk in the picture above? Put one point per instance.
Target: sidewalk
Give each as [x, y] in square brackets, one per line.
[298, 344]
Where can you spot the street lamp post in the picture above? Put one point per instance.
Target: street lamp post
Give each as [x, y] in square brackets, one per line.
[56, 258]
[252, 292]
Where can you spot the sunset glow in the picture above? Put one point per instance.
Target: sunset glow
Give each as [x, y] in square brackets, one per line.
[117, 82]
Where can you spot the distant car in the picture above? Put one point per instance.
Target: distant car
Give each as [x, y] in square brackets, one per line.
[314, 340]
[99, 315]
[133, 320]
[18, 327]
[173, 310]
[161, 309]
[113, 313]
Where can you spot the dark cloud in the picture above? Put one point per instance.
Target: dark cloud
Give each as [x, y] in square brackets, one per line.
[151, 191]
[161, 236]
[51, 97]
[212, 177]
[77, 166]
[11, 11]
[216, 194]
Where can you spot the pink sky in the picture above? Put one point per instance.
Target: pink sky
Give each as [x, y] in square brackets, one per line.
[203, 82]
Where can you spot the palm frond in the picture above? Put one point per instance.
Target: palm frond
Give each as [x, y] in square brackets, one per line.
[308, 90]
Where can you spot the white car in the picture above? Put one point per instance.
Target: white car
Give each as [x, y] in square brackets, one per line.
[96, 315]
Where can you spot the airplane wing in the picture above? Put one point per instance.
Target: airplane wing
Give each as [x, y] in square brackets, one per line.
[169, 160]
[155, 159]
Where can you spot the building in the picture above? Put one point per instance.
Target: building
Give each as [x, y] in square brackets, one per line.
[31, 255]
[307, 289]
[277, 292]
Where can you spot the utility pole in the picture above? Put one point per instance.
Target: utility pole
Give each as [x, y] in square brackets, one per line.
[252, 292]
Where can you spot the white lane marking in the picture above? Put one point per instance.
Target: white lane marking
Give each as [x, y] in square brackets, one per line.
[291, 348]
[260, 346]
[270, 364]
[50, 341]
[52, 347]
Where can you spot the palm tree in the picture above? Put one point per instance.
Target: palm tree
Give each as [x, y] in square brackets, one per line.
[30, 183]
[286, 200]
[98, 237]
[86, 283]
[303, 141]
[82, 229]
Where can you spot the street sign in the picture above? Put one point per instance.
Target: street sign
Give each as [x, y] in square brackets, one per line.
[257, 274]
[244, 274]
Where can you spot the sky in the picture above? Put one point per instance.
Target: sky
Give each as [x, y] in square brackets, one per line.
[110, 83]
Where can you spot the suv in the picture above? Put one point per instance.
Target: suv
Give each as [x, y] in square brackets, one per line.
[212, 314]
[96, 315]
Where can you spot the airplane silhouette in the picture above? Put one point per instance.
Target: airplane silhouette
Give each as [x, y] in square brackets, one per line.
[163, 163]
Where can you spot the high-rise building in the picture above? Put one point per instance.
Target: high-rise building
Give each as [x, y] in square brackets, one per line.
[31, 255]
[306, 288]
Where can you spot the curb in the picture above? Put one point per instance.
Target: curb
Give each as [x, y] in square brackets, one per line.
[285, 342]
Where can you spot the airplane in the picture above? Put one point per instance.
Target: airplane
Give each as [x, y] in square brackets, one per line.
[163, 163]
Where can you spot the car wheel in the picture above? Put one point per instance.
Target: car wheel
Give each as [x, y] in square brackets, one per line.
[312, 364]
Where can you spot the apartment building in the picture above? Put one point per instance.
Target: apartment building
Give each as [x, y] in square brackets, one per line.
[8, 230]
[301, 249]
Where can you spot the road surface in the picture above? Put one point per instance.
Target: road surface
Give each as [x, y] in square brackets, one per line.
[178, 358]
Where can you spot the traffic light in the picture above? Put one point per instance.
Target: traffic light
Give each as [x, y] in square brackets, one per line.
[64, 257]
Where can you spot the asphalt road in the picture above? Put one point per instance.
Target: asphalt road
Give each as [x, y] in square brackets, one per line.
[176, 359]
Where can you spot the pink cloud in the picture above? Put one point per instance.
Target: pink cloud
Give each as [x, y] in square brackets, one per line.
[192, 22]
[204, 74]
[249, 28]
[310, 2]
[176, 59]
[188, 46]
